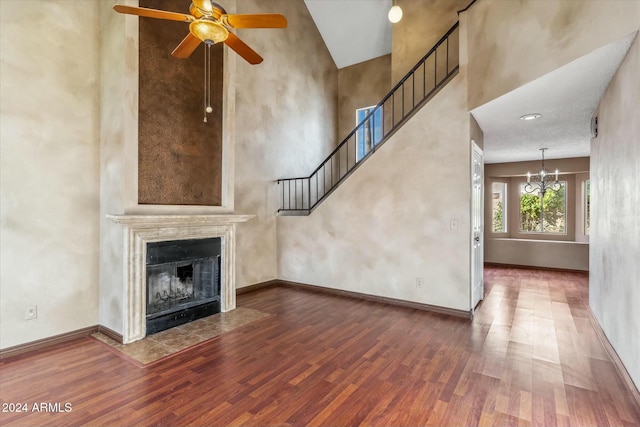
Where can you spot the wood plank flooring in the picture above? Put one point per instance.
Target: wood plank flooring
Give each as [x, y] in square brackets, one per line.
[529, 358]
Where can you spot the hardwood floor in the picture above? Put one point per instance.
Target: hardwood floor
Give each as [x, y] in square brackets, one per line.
[530, 357]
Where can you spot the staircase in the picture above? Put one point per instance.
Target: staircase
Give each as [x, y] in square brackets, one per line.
[300, 196]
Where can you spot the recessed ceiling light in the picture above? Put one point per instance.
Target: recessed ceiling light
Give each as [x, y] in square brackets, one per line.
[531, 116]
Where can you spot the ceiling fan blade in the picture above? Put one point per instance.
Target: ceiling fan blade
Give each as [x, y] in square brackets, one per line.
[243, 49]
[186, 47]
[267, 20]
[153, 13]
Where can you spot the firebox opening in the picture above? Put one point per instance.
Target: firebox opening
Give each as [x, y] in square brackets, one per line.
[185, 274]
[183, 282]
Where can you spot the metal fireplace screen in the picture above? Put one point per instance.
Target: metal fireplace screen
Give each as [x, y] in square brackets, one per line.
[183, 282]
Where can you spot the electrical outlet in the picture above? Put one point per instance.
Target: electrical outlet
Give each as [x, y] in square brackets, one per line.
[419, 282]
[31, 312]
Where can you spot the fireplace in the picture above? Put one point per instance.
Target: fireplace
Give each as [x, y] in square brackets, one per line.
[123, 289]
[183, 282]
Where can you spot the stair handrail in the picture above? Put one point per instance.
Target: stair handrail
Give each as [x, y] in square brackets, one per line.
[394, 127]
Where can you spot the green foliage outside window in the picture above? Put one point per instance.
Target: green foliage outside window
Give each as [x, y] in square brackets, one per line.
[552, 211]
[499, 207]
[498, 217]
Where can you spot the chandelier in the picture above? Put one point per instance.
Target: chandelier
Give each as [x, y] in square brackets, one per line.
[542, 181]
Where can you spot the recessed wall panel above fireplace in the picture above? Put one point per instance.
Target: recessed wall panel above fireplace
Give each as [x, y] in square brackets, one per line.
[179, 156]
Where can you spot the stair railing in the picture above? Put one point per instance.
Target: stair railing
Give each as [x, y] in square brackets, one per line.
[299, 196]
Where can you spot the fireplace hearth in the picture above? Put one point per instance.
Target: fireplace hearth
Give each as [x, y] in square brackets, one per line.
[183, 282]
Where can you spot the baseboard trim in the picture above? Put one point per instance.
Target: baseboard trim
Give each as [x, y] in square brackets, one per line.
[532, 267]
[110, 333]
[47, 343]
[374, 298]
[255, 287]
[615, 359]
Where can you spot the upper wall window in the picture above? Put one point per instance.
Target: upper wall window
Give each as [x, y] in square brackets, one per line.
[587, 206]
[499, 207]
[543, 216]
[369, 131]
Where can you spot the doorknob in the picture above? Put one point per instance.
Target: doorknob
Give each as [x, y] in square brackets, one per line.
[477, 238]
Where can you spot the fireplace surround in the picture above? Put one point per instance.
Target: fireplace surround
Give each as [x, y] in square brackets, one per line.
[139, 230]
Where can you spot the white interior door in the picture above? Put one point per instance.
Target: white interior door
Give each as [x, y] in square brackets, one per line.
[477, 225]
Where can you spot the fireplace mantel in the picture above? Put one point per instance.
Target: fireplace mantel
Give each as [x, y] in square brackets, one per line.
[142, 229]
[151, 221]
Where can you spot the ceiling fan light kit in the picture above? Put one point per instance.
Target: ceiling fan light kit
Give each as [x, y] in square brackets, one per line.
[209, 31]
[209, 23]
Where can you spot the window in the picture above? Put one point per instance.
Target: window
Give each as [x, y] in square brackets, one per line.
[499, 206]
[587, 207]
[369, 132]
[543, 216]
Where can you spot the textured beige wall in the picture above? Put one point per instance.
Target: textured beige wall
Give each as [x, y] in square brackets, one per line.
[378, 232]
[361, 85]
[614, 271]
[477, 135]
[547, 35]
[118, 152]
[542, 253]
[286, 119]
[423, 23]
[49, 178]
[572, 165]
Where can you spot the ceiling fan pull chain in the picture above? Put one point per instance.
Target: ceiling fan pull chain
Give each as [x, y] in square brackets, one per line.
[209, 109]
[205, 85]
[207, 81]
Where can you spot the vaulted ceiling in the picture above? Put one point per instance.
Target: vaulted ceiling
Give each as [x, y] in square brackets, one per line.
[353, 30]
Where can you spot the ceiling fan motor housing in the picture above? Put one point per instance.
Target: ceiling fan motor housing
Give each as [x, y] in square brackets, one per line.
[208, 8]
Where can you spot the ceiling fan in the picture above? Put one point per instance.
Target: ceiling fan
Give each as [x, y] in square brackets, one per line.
[210, 23]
